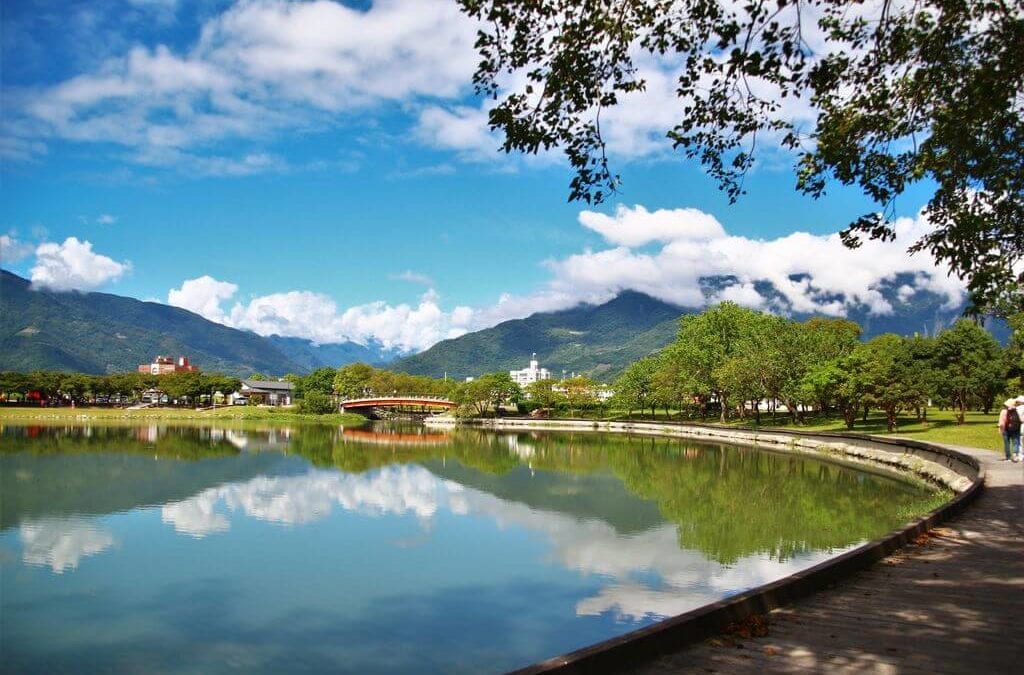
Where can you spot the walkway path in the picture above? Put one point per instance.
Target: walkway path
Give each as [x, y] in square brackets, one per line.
[952, 603]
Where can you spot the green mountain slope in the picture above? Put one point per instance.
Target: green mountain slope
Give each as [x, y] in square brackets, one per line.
[599, 340]
[102, 333]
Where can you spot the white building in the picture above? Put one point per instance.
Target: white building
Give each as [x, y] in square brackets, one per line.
[531, 373]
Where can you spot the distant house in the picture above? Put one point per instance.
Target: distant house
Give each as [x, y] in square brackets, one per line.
[266, 392]
[530, 374]
[164, 365]
[153, 395]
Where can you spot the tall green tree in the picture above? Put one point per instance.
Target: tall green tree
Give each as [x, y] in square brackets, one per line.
[14, 384]
[835, 383]
[580, 393]
[320, 380]
[635, 388]
[542, 393]
[1014, 354]
[811, 359]
[889, 82]
[708, 340]
[882, 368]
[923, 372]
[489, 392]
[829, 339]
[970, 366]
[352, 380]
[671, 385]
[74, 385]
[772, 357]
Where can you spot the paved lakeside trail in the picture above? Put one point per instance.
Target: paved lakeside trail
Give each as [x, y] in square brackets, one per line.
[953, 602]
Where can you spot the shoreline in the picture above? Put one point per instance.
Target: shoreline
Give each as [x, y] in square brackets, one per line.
[936, 463]
[224, 414]
[910, 458]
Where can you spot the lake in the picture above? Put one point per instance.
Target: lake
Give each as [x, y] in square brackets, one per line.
[179, 549]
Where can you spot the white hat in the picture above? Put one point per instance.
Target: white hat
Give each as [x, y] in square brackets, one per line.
[1010, 402]
[1020, 399]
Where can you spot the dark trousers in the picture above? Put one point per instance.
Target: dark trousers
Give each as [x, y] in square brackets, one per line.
[1011, 443]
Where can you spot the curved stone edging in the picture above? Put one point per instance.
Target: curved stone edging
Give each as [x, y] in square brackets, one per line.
[958, 471]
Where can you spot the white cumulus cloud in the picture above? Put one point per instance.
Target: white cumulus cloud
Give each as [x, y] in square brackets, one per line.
[73, 265]
[460, 128]
[257, 68]
[317, 317]
[203, 296]
[261, 68]
[810, 273]
[637, 226]
[671, 254]
[12, 250]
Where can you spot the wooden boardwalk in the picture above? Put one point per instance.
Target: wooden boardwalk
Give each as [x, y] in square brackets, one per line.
[951, 603]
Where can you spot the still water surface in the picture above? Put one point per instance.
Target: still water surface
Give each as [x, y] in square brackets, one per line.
[198, 550]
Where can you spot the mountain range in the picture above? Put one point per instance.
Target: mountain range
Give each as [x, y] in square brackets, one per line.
[601, 340]
[104, 333]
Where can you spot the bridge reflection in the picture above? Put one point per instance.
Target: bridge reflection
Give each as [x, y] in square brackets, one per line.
[378, 437]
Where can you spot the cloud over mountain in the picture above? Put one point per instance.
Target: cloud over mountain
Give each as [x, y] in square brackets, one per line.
[73, 265]
[317, 317]
[670, 254]
[809, 273]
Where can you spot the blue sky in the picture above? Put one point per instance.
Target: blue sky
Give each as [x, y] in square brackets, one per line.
[325, 171]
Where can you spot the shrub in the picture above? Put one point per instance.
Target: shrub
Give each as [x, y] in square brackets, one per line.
[316, 403]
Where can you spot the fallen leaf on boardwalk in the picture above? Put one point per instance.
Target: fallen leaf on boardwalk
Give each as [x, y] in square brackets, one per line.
[771, 651]
[925, 537]
[753, 626]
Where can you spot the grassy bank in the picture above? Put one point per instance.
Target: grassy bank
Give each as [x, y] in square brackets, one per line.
[977, 431]
[223, 414]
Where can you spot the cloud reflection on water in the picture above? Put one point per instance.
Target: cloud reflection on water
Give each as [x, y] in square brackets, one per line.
[647, 574]
[60, 543]
[294, 500]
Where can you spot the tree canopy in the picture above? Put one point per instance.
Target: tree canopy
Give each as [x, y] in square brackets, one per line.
[903, 93]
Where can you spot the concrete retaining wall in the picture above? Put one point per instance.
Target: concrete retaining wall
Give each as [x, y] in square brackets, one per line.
[930, 461]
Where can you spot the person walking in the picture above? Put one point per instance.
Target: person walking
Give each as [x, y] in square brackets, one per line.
[1009, 427]
[1020, 415]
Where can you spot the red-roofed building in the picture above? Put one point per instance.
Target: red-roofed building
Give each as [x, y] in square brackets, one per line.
[163, 365]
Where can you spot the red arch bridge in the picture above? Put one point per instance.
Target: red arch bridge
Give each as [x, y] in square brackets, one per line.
[416, 402]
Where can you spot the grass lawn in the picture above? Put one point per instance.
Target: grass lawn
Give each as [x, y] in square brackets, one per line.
[222, 414]
[977, 431]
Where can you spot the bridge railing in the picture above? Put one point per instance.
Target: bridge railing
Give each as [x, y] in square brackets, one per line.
[394, 397]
